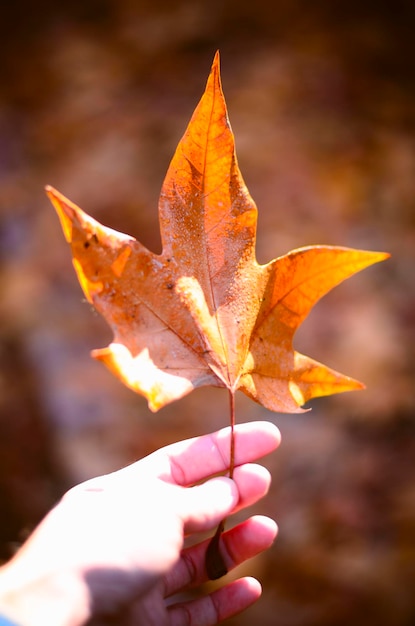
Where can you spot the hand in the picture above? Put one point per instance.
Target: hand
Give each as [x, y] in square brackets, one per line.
[113, 546]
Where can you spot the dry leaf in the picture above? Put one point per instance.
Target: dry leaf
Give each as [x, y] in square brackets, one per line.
[204, 312]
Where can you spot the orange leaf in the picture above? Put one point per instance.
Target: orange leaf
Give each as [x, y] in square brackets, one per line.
[204, 312]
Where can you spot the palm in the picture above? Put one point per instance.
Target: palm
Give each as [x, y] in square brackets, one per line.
[159, 607]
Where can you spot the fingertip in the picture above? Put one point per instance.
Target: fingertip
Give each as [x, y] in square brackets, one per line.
[267, 525]
[269, 428]
[253, 482]
[255, 440]
[254, 471]
[251, 588]
[263, 428]
[240, 594]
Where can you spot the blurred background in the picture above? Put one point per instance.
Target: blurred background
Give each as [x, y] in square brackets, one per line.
[94, 97]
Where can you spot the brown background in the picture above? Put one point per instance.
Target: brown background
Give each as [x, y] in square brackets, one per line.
[94, 97]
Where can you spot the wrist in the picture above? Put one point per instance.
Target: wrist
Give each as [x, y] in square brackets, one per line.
[57, 599]
[4, 621]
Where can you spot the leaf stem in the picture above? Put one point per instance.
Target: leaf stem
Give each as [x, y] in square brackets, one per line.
[215, 565]
[232, 448]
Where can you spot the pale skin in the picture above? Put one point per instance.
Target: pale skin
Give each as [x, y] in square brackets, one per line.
[112, 550]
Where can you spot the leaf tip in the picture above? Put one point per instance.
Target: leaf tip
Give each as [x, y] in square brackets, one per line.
[377, 257]
[215, 72]
[64, 208]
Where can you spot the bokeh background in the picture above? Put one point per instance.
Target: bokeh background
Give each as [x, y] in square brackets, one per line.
[94, 97]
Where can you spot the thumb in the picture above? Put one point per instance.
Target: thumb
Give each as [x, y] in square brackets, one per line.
[203, 506]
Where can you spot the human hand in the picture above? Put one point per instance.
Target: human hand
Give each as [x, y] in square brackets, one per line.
[113, 546]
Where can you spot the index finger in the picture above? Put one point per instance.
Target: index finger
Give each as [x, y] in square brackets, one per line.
[187, 462]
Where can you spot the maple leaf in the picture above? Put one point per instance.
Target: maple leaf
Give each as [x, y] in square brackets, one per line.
[204, 312]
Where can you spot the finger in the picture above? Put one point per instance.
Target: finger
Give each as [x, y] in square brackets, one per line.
[217, 606]
[242, 542]
[253, 482]
[190, 461]
[203, 506]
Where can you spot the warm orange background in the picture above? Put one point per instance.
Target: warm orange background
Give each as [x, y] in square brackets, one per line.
[94, 97]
